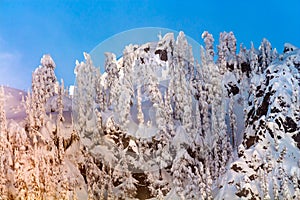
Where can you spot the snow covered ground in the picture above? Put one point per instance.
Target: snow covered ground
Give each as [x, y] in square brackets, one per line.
[14, 108]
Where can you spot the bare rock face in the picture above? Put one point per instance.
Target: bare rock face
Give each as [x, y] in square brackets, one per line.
[232, 89]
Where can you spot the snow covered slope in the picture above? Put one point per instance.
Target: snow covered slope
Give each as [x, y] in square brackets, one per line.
[268, 163]
[158, 125]
[13, 103]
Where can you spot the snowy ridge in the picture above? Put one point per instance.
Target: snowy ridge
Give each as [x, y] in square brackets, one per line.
[13, 103]
[268, 163]
[190, 144]
[158, 124]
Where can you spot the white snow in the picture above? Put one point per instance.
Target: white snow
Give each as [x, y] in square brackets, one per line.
[85, 149]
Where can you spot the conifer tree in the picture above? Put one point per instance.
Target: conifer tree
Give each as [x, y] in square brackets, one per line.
[84, 99]
[112, 71]
[122, 174]
[233, 125]
[201, 182]
[242, 60]
[265, 54]
[285, 188]
[232, 48]
[182, 51]
[180, 171]
[227, 52]
[209, 46]
[264, 181]
[124, 87]
[204, 100]
[43, 87]
[169, 113]
[140, 115]
[253, 60]
[158, 185]
[59, 121]
[100, 92]
[209, 183]
[50, 82]
[275, 189]
[3, 123]
[296, 186]
[182, 95]
[4, 148]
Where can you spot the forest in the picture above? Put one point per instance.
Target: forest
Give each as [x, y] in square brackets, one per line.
[158, 124]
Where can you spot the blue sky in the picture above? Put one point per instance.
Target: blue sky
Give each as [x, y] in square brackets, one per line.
[66, 29]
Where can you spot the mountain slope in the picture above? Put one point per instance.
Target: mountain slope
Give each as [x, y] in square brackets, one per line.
[268, 160]
[13, 103]
[158, 125]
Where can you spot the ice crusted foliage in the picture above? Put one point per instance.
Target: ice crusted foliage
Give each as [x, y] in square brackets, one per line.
[43, 87]
[152, 127]
[34, 162]
[84, 100]
[210, 130]
[158, 124]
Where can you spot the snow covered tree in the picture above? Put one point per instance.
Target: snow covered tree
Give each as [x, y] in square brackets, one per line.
[243, 63]
[37, 100]
[140, 114]
[164, 130]
[96, 180]
[285, 188]
[191, 66]
[264, 182]
[100, 92]
[209, 183]
[218, 126]
[296, 186]
[49, 79]
[5, 149]
[183, 102]
[204, 100]
[84, 100]
[253, 60]
[169, 113]
[227, 52]
[124, 104]
[222, 52]
[182, 52]
[275, 54]
[112, 78]
[233, 125]
[127, 183]
[200, 181]
[3, 122]
[209, 46]
[29, 112]
[60, 119]
[124, 87]
[213, 136]
[265, 56]
[43, 87]
[180, 171]
[158, 185]
[181, 87]
[275, 188]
